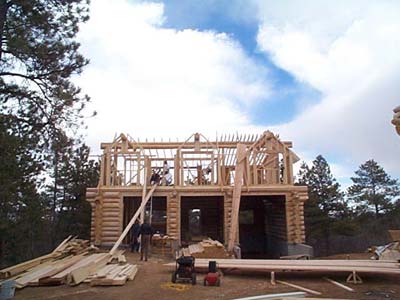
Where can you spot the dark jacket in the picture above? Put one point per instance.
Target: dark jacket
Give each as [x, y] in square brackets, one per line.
[146, 229]
[136, 230]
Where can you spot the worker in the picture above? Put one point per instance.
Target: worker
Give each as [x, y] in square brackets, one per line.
[165, 167]
[155, 177]
[168, 178]
[135, 245]
[146, 232]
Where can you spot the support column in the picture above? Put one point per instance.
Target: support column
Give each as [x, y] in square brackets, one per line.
[174, 216]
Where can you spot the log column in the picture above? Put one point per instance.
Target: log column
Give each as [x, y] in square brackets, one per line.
[295, 217]
[112, 217]
[174, 215]
[227, 214]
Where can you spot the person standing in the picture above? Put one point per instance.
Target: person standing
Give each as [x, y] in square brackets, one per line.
[135, 237]
[146, 232]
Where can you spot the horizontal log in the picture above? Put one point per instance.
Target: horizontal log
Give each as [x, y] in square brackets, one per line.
[110, 224]
[111, 194]
[112, 205]
[111, 219]
[92, 195]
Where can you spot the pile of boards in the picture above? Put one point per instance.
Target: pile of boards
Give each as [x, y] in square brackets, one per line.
[74, 261]
[205, 249]
[389, 251]
[318, 265]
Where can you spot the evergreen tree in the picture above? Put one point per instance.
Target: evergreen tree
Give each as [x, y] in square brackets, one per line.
[373, 189]
[38, 56]
[38, 105]
[66, 194]
[21, 209]
[326, 206]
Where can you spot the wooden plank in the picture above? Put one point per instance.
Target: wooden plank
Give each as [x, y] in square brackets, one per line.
[275, 296]
[237, 190]
[304, 265]
[79, 274]
[345, 287]
[21, 267]
[299, 287]
[62, 245]
[132, 221]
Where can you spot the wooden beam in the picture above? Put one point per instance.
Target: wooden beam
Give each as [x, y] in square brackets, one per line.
[132, 221]
[237, 190]
[299, 287]
[189, 145]
[345, 287]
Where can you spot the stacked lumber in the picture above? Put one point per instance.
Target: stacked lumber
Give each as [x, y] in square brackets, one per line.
[205, 249]
[72, 263]
[276, 265]
[390, 251]
[113, 275]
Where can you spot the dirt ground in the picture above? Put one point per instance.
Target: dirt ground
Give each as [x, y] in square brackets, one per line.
[153, 282]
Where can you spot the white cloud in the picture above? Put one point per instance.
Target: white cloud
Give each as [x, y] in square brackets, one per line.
[349, 51]
[151, 81]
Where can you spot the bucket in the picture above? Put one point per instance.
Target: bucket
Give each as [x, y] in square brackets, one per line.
[7, 289]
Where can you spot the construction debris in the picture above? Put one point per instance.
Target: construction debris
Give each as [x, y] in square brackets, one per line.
[390, 251]
[205, 249]
[74, 261]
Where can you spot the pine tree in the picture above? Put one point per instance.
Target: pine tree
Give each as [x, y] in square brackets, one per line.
[38, 102]
[38, 56]
[373, 189]
[326, 205]
[73, 173]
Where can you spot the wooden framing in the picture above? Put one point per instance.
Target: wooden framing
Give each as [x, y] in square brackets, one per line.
[231, 167]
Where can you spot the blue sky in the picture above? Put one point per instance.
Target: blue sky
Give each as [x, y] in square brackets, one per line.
[313, 72]
[211, 15]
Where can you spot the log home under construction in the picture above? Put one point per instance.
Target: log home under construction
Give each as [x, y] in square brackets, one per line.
[237, 190]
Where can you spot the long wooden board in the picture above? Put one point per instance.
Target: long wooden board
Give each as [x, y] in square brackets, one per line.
[132, 221]
[360, 266]
[237, 190]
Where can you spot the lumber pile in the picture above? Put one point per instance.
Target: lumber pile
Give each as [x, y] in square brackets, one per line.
[389, 251]
[205, 249]
[113, 275]
[74, 261]
[276, 265]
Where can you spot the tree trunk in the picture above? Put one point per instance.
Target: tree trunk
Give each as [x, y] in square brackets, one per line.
[376, 211]
[4, 6]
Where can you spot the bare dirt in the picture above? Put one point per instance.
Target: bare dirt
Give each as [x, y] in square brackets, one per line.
[153, 281]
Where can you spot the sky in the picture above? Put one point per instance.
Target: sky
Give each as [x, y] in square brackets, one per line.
[323, 74]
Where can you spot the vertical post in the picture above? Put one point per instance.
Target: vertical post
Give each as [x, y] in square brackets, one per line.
[212, 168]
[115, 168]
[102, 170]
[147, 167]
[138, 170]
[143, 197]
[290, 168]
[285, 170]
[237, 190]
[176, 170]
[108, 166]
[180, 159]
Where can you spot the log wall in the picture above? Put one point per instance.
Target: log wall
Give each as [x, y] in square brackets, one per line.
[295, 216]
[285, 220]
[174, 216]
